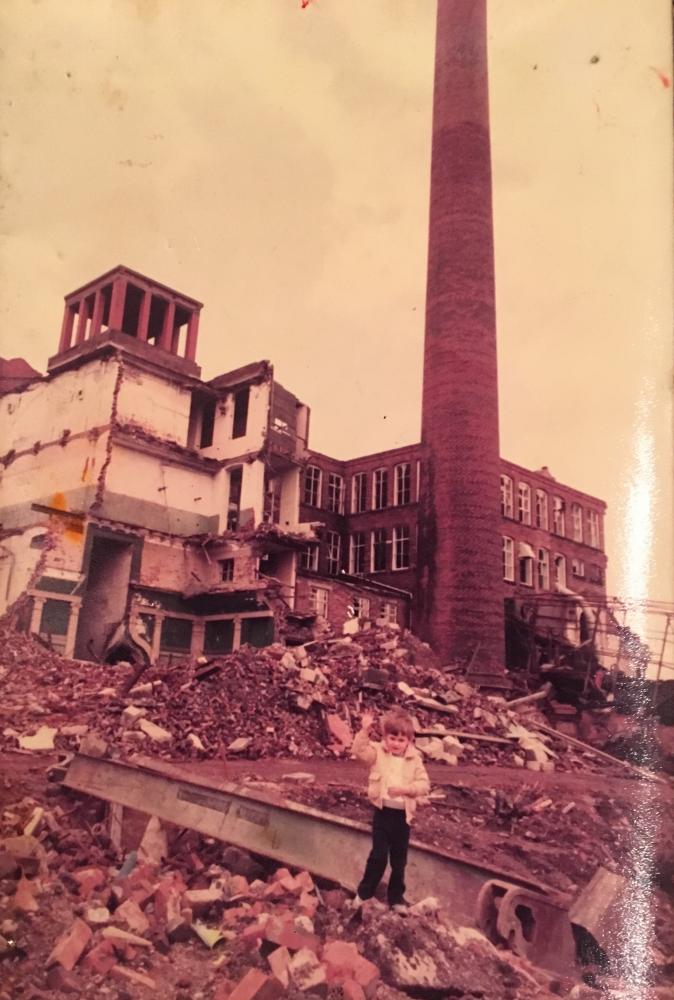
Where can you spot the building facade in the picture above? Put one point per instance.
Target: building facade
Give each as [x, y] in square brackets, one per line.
[146, 508]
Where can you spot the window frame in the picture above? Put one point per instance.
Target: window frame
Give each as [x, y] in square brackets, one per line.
[507, 496]
[335, 502]
[594, 529]
[576, 522]
[402, 545]
[357, 553]
[322, 593]
[402, 484]
[359, 492]
[310, 556]
[333, 552]
[558, 518]
[543, 569]
[380, 488]
[379, 546]
[523, 503]
[541, 509]
[314, 493]
[508, 558]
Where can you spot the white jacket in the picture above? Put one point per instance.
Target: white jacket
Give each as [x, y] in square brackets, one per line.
[414, 774]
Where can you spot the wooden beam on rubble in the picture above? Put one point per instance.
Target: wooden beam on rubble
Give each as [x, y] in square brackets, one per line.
[329, 846]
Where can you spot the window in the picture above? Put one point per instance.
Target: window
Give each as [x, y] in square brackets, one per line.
[240, 412]
[526, 571]
[596, 574]
[401, 547]
[558, 516]
[508, 559]
[403, 484]
[226, 570]
[176, 635]
[379, 489]
[543, 569]
[359, 493]
[271, 513]
[560, 570]
[357, 554]
[593, 536]
[207, 424]
[542, 509]
[576, 522]
[389, 611]
[310, 558]
[335, 493]
[524, 503]
[218, 636]
[361, 607]
[506, 496]
[318, 601]
[234, 503]
[578, 568]
[334, 543]
[379, 550]
[312, 486]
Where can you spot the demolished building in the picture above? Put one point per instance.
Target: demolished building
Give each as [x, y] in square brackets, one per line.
[149, 512]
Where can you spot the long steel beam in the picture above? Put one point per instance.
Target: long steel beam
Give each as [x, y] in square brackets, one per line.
[327, 845]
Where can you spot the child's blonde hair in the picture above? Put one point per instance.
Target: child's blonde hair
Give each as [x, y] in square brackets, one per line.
[397, 722]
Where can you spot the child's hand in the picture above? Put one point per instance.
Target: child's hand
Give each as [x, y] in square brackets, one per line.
[367, 721]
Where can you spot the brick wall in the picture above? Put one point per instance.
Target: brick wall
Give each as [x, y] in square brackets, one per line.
[341, 596]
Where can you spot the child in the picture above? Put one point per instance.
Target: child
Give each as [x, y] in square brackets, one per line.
[397, 779]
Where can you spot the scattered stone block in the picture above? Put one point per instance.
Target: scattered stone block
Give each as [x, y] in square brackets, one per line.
[131, 715]
[121, 937]
[131, 914]
[43, 739]
[132, 976]
[154, 732]
[93, 746]
[24, 898]
[200, 901]
[255, 985]
[306, 972]
[61, 981]
[70, 946]
[34, 823]
[240, 744]
[98, 916]
[279, 960]
[153, 847]
[27, 852]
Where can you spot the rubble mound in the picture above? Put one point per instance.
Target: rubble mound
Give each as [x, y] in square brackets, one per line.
[301, 702]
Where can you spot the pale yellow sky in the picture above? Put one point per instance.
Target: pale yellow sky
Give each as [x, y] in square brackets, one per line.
[273, 162]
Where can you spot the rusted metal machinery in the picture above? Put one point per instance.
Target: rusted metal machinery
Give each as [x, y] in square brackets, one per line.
[529, 916]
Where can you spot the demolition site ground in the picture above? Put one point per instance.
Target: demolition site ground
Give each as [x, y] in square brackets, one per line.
[160, 908]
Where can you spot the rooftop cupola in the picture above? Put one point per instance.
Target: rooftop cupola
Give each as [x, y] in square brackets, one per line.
[125, 302]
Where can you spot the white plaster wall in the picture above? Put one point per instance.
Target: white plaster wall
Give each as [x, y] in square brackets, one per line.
[54, 473]
[171, 566]
[224, 445]
[17, 565]
[75, 400]
[157, 404]
[290, 500]
[252, 493]
[136, 474]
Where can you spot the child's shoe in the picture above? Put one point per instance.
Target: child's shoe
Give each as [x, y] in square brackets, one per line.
[402, 906]
[355, 903]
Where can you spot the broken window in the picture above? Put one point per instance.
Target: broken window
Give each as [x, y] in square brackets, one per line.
[593, 535]
[234, 503]
[403, 484]
[543, 569]
[310, 557]
[271, 513]
[359, 493]
[361, 607]
[577, 522]
[318, 601]
[389, 611]
[55, 617]
[379, 489]
[207, 424]
[401, 547]
[578, 568]
[560, 570]
[524, 503]
[240, 421]
[312, 486]
[257, 632]
[379, 542]
[506, 496]
[542, 509]
[226, 570]
[218, 636]
[357, 554]
[334, 544]
[558, 516]
[335, 493]
[176, 635]
[596, 574]
[526, 571]
[508, 559]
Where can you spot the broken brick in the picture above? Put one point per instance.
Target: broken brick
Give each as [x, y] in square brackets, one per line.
[279, 960]
[101, 958]
[131, 976]
[131, 914]
[69, 947]
[256, 985]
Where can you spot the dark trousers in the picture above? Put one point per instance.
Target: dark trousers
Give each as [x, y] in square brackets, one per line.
[390, 839]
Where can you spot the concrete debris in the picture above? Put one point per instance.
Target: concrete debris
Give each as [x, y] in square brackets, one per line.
[43, 739]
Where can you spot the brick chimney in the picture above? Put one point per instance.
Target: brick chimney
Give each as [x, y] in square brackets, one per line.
[460, 591]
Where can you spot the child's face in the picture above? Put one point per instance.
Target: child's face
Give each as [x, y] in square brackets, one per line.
[396, 743]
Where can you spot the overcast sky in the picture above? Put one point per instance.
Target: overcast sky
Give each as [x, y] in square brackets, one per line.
[273, 162]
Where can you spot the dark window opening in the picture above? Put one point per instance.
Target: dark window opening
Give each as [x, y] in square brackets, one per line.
[257, 631]
[240, 412]
[132, 303]
[207, 424]
[218, 637]
[55, 617]
[158, 309]
[176, 635]
[234, 505]
[227, 570]
[379, 550]
[106, 292]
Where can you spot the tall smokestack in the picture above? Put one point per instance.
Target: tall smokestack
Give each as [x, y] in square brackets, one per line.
[459, 560]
